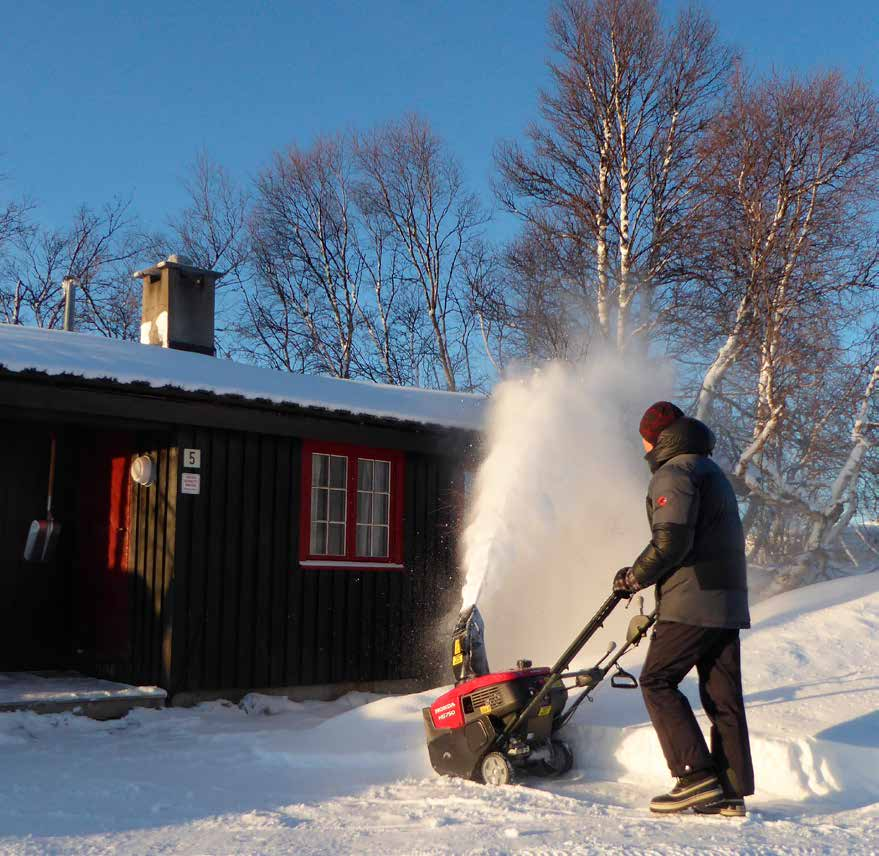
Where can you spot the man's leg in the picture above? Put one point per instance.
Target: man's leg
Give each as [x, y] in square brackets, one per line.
[674, 650]
[720, 688]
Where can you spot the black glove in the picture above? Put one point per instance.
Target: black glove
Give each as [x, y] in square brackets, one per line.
[625, 583]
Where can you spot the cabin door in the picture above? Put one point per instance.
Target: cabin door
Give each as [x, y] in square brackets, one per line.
[102, 583]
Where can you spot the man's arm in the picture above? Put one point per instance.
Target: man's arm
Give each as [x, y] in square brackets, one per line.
[675, 501]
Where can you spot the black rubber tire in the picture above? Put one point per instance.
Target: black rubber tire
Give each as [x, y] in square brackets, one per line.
[496, 770]
[562, 757]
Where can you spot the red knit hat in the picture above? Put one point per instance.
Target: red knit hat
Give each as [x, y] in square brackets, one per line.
[657, 418]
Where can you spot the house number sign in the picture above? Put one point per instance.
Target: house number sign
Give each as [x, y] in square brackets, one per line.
[192, 458]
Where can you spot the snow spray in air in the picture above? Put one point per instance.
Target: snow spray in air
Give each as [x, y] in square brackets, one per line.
[558, 502]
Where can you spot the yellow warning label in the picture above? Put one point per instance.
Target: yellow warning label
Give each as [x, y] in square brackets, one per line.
[457, 646]
[546, 710]
[457, 659]
[486, 708]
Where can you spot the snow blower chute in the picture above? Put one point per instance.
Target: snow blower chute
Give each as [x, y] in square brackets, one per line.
[497, 727]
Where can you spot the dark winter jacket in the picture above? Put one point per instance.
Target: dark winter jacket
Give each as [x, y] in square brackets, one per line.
[696, 556]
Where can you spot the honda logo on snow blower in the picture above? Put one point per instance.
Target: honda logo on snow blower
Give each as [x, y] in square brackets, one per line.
[446, 711]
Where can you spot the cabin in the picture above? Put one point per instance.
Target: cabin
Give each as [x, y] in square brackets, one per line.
[222, 527]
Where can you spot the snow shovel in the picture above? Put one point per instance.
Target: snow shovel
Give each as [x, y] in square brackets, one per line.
[42, 538]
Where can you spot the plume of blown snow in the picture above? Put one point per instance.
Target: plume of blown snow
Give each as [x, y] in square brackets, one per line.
[558, 502]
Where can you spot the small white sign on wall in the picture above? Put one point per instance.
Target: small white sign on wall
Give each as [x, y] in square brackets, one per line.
[191, 483]
[192, 458]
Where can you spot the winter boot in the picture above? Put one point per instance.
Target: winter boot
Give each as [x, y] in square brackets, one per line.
[700, 788]
[727, 807]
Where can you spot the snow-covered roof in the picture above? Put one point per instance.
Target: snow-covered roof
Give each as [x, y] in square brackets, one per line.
[56, 352]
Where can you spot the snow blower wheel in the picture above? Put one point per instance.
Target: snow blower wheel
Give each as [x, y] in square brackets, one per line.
[497, 769]
[562, 758]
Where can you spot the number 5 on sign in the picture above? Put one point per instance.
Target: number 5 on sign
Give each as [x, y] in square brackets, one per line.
[192, 458]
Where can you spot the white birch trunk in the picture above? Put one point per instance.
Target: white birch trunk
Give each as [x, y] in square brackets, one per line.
[726, 356]
[601, 227]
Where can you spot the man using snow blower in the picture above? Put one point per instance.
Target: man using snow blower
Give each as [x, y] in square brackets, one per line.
[696, 559]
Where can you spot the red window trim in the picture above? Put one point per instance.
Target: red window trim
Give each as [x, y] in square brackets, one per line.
[397, 459]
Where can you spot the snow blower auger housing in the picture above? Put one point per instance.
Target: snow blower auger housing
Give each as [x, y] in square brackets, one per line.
[496, 727]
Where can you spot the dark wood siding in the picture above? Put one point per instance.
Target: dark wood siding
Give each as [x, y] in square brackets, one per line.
[247, 615]
[431, 588]
[35, 617]
[235, 543]
[151, 563]
[218, 600]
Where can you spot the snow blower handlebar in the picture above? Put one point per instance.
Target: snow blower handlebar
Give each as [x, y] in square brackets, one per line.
[639, 625]
[563, 663]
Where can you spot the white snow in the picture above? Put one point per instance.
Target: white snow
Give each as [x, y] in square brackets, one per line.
[352, 776]
[57, 352]
[17, 687]
[556, 491]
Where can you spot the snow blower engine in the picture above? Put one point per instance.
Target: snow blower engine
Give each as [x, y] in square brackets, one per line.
[496, 727]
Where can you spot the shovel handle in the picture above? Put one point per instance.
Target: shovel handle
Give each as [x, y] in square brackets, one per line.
[51, 478]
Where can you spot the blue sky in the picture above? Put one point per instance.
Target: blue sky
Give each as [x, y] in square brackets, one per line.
[115, 98]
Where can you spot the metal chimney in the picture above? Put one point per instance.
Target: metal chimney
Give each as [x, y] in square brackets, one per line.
[68, 284]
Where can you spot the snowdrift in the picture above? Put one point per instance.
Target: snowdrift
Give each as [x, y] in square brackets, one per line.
[812, 693]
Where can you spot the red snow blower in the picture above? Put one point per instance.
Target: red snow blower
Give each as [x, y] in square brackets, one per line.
[498, 727]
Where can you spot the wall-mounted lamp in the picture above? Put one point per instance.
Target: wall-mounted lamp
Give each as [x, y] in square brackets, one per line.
[143, 471]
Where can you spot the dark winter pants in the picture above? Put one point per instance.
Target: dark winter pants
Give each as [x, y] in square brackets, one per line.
[674, 650]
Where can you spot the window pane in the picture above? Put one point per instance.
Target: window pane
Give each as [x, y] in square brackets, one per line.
[382, 476]
[363, 540]
[364, 474]
[318, 539]
[318, 504]
[337, 506]
[319, 470]
[364, 507]
[380, 507]
[338, 471]
[336, 539]
[379, 540]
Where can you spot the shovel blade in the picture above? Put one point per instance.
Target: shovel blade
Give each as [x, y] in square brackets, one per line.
[42, 539]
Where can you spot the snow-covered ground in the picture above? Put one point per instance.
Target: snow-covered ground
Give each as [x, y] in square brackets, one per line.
[352, 776]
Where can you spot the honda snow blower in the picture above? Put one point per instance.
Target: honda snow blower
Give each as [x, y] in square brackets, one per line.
[498, 727]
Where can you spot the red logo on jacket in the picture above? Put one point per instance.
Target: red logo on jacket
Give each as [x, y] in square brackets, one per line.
[663, 500]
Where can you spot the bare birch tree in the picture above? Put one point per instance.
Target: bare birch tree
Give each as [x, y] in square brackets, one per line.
[13, 225]
[98, 249]
[212, 230]
[308, 268]
[611, 167]
[413, 185]
[783, 280]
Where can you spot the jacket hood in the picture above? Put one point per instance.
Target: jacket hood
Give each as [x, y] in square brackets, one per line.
[685, 436]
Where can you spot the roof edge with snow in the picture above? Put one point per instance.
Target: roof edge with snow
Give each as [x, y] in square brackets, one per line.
[66, 355]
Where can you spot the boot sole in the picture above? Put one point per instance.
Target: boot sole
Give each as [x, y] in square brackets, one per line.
[726, 811]
[688, 801]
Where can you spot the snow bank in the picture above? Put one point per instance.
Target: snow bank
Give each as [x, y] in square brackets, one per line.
[57, 352]
[811, 692]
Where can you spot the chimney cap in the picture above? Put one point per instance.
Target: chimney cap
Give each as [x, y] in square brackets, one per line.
[179, 261]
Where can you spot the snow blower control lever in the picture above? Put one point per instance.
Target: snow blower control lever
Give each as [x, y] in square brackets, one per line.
[493, 727]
